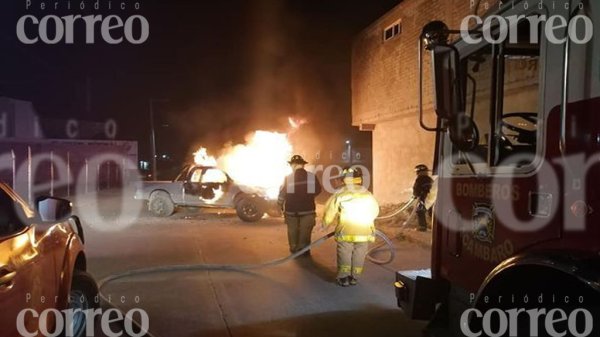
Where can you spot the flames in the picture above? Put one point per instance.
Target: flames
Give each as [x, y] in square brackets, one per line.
[296, 123]
[201, 158]
[260, 163]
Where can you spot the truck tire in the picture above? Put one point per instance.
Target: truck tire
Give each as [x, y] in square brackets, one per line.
[160, 204]
[249, 210]
[82, 295]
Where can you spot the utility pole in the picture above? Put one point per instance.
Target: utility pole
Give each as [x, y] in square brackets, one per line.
[153, 134]
[349, 151]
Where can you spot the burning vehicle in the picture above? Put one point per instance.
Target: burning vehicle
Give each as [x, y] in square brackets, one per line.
[207, 186]
[245, 177]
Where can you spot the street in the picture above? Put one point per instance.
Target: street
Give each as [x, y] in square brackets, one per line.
[298, 298]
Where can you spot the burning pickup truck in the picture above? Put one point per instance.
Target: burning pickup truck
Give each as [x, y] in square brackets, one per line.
[206, 186]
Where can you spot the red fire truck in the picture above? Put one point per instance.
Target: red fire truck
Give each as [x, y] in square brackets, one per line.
[516, 228]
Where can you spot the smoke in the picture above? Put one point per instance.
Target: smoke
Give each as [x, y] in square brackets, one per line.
[288, 59]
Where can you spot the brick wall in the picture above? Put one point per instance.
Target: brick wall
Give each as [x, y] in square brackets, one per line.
[385, 92]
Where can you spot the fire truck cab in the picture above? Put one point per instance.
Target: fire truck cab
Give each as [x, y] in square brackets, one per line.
[517, 219]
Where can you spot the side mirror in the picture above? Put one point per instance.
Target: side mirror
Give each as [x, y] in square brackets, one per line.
[445, 63]
[463, 132]
[52, 209]
[444, 78]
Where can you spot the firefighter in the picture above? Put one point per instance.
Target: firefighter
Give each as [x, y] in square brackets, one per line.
[421, 189]
[297, 201]
[352, 209]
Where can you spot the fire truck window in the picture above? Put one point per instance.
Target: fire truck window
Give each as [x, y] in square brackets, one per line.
[517, 132]
[214, 176]
[504, 107]
[520, 106]
[479, 67]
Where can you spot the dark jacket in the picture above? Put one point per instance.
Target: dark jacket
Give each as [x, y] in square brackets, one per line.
[297, 195]
[422, 187]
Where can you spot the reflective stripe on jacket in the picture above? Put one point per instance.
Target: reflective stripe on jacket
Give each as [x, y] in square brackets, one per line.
[352, 209]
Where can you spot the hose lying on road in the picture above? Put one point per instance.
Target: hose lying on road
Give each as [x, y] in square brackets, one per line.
[245, 267]
[240, 267]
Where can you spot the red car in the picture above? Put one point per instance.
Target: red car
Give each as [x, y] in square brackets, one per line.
[42, 267]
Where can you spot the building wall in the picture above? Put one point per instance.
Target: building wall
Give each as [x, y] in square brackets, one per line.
[36, 165]
[385, 92]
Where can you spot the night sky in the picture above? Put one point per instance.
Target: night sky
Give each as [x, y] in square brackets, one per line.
[226, 68]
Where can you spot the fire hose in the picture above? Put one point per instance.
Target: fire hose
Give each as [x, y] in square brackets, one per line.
[246, 267]
[400, 210]
[239, 267]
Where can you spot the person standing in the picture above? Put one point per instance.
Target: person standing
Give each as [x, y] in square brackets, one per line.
[421, 189]
[352, 209]
[297, 201]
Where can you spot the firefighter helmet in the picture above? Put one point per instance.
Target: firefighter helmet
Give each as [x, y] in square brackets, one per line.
[421, 168]
[351, 172]
[297, 159]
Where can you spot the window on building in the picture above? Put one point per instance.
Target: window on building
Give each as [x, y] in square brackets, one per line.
[392, 31]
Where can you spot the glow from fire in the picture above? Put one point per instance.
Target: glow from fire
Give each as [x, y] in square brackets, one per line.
[218, 194]
[201, 158]
[260, 163]
[296, 123]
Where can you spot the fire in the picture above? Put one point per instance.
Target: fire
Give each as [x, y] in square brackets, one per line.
[201, 158]
[218, 194]
[296, 123]
[260, 163]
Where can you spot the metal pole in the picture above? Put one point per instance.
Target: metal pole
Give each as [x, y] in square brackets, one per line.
[153, 134]
[153, 140]
[123, 173]
[51, 173]
[349, 152]
[68, 174]
[29, 180]
[87, 174]
[108, 175]
[14, 169]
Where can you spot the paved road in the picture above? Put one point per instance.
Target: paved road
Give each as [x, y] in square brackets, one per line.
[298, 298]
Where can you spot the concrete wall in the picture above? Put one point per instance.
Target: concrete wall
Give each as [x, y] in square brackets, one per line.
[385, 92]
[35, 165]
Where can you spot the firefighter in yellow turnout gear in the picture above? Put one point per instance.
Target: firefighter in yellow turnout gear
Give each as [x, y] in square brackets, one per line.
[352, 209]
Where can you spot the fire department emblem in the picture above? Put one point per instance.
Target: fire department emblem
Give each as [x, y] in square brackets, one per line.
[484, 225]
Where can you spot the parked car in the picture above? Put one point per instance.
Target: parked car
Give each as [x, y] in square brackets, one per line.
[42, 264]
[205, 186]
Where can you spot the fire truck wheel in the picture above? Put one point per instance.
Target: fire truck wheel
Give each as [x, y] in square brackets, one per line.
[249, 210]
[82, 296]
[160, 204]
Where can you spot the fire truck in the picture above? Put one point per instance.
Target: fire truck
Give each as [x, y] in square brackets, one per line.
[516, 225]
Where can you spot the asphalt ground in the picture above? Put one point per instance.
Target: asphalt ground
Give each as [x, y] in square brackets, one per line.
[298, 298]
